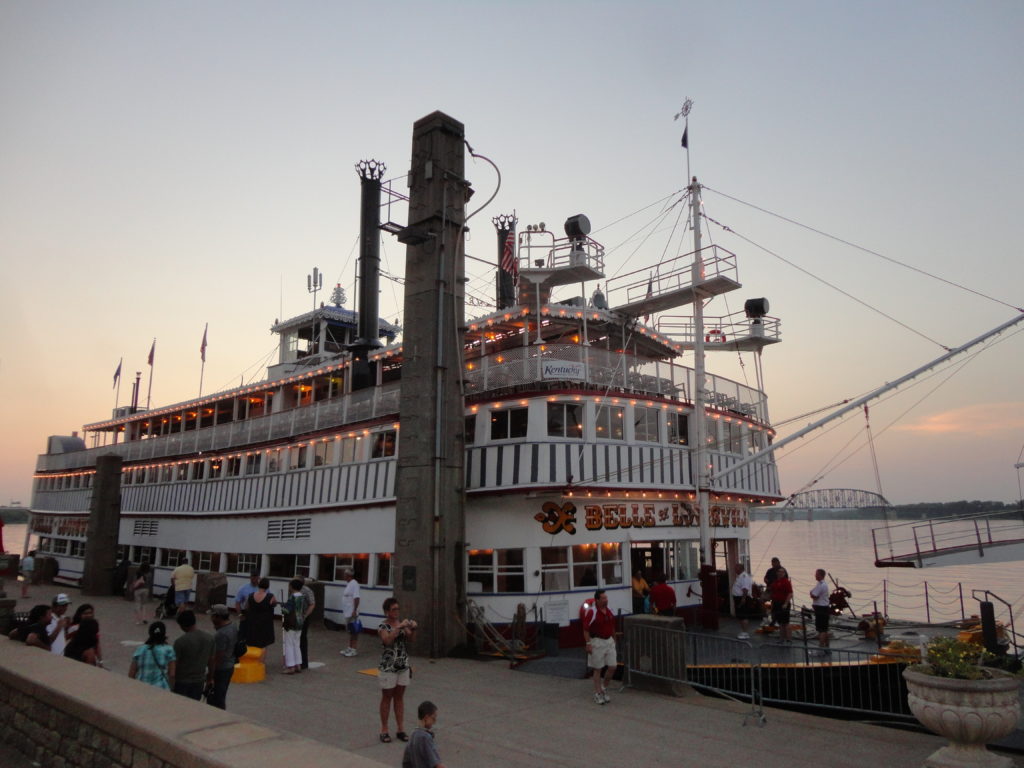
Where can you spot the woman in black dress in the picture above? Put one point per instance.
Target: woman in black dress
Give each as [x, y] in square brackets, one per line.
[259, 618]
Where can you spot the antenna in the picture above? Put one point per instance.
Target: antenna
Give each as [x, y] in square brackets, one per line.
[314, 283]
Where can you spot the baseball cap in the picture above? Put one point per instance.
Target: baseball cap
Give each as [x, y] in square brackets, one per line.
[62, 599]
[219, 610]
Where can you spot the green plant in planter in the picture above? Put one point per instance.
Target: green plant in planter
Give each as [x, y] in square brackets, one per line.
[949, 657]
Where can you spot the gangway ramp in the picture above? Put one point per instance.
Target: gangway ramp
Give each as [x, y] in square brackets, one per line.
[988, 537]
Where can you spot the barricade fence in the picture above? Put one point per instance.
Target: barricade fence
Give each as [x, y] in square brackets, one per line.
[844, 681]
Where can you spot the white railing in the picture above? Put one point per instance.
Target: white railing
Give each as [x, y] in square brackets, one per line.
[525, 366]
[349, 409]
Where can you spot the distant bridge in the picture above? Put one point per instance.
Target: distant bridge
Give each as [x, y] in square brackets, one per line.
[802, 506]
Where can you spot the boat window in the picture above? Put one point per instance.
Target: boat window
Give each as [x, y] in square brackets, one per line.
[469, 429]
[206, 417]
[143, 554]
[77, 548]
[198, 470]
[733, 437]
[323, 453]
[243, 563]
[678, 428]
[565, 420]
[297, 457]
[166, 472]
[611, 563]
[215, 467]
[584, 565]
[332, 567]
[754, 441]
[384, 444]
[508, 423]
[274, 460]
[712, 438]
[384, 561]
[288, 566]
[172, 557]
[554, 569]
[348, 449]
[182, 471]
[233, 466]
[205, 561]
[496, 570]
[645, 424]
[252, 463]
[610, 419]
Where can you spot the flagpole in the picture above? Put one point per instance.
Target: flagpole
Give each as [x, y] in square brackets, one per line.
[117, 394]
[202, 353]
[149, 390]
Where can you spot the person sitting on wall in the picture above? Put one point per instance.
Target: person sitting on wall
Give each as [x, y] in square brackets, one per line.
[34, 631]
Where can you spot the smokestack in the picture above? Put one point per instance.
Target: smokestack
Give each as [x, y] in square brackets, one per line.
[508, 266]
[368, 333]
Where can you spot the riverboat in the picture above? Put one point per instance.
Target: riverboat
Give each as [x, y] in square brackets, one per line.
[589, 447]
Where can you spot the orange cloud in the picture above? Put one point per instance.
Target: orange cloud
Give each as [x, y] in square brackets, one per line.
[978, 419]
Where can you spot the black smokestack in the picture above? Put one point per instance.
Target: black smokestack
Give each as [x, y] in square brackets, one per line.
[368, 333]
[508, 267]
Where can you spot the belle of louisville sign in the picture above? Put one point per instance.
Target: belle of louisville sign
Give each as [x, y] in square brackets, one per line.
[555, 517]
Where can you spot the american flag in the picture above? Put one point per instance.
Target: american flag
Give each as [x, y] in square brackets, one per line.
[152, 352]
[509, 262]
[202, 347]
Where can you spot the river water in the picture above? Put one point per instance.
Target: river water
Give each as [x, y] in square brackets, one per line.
[844, 549]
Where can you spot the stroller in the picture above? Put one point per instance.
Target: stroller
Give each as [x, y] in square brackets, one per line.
[167, 609]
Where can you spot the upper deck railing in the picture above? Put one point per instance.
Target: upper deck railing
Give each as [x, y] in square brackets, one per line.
[577, 364]
[337, 412]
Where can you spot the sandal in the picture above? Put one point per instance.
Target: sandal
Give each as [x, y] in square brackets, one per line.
[385, 738]
[402, 736]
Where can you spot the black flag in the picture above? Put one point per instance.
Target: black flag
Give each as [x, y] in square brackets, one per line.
[686, 141]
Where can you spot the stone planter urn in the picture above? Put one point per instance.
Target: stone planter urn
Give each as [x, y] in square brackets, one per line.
[969, 713]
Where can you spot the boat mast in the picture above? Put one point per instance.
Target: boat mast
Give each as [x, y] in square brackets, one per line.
[700, 469]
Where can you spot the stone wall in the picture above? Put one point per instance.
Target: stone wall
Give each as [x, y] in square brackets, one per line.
[63, 714]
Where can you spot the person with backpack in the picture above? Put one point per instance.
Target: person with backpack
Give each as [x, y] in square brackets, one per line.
[599, 635]
[293, 615]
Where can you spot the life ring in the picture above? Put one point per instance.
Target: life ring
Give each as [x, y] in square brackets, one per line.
[714, 336]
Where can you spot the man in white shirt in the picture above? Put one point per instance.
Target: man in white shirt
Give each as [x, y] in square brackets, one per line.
[350, 608]
[742, 599]
[819, 600]
[58, 625]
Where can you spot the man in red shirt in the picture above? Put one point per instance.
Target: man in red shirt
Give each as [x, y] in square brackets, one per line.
[663, 597]
[599, 635]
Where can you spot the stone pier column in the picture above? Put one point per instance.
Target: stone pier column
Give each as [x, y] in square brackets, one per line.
[104, 524]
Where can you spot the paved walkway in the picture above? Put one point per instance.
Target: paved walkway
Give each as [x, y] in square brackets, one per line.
[491, 715]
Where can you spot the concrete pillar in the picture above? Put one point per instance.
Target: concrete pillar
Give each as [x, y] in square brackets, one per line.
[430, 514]
[104, 524]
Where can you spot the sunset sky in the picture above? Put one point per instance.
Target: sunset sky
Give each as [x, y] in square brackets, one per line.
[168, 165]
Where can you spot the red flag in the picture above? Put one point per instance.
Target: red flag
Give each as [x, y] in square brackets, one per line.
[509, 262]
[117, 373]
[152, 351]
[202, 347]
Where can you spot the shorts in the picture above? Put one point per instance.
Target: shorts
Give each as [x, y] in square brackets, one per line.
[602, 652]
[182, 596]
[746, 607]
[389, 680]
[780, 613]
[354, 626]
[821, 614]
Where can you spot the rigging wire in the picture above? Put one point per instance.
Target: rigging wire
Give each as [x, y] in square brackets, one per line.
[866, 250]
[826, 282]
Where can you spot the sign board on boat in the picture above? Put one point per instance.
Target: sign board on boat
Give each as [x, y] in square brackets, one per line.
[559, 369]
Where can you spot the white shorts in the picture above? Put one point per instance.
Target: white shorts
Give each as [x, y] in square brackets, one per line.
[389, 680]
[602, 653]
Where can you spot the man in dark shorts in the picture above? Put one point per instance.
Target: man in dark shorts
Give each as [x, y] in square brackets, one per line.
[819, 600]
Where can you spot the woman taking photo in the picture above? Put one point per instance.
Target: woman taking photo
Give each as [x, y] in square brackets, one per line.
[153, 661]
[393, 670]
